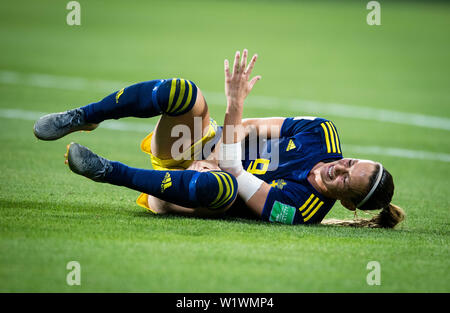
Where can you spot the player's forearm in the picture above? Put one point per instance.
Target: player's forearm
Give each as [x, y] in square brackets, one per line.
[257, 201]
[233, 130]
[232, 135]
[237, 88]
[233, 114]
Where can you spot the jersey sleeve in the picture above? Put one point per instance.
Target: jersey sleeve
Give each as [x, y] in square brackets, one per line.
[280, 208]
[293, 206]
[330, 137]
[294, 125]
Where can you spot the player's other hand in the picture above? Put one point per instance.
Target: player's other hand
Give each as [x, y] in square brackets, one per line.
[204, 166]
[238, 83]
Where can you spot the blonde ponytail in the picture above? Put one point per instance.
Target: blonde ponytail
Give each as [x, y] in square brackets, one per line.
[388, 217]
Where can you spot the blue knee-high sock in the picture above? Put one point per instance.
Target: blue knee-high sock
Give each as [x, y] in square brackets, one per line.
[214, 190]
[146, 99]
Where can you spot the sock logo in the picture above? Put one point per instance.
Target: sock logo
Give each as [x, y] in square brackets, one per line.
[166, 182]
[118, 94]
[291, 145]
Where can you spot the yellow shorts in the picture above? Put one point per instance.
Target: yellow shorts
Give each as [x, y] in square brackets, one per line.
[170, 164]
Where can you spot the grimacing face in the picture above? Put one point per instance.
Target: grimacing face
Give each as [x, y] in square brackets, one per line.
[347, 178]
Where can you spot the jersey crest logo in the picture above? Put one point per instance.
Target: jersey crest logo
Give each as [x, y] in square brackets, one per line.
[166, 182]
[291, 145]
[279, 183]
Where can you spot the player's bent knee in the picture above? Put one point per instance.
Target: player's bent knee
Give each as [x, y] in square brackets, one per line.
[175, 96]
[216, 190]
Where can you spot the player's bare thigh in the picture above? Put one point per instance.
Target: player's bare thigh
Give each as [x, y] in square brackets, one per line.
[162, 141]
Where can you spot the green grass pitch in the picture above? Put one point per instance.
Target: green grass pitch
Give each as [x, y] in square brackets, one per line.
[316, 51]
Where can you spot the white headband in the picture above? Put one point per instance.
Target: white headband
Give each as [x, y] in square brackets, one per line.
[377, 181]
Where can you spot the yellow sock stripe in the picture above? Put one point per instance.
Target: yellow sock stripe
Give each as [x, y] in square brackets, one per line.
[219, 195]
[337, 137]
[229, 187]
[230, 180]
[313, 212]
[118, 94]
[306, 203]
[332, 137]
[173, 88]
[310, 206]
[223, 189]
[326, 137]
[189, 97]
[180, 96]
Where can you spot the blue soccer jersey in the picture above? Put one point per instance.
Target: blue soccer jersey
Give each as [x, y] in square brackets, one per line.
[285, 163]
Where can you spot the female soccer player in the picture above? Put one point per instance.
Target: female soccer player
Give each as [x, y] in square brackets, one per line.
[294, 176]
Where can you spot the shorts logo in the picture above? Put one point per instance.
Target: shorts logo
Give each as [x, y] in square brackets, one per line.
[166, 183]
[118, 94]
[282, 213]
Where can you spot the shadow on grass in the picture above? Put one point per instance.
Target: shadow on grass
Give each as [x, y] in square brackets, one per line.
[228, 219]
[88, 210]
[316, 228]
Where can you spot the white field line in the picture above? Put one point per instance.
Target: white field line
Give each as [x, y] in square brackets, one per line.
[146, 128]
[397, 152]
[315, 108]
[111, 124]
[298, 107]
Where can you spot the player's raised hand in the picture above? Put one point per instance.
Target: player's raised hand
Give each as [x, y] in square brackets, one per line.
[238, 83]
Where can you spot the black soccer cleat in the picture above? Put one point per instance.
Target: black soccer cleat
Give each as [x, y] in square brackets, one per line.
[56, 125]
[84, 162]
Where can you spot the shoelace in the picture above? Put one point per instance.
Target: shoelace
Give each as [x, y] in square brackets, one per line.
[74, 117]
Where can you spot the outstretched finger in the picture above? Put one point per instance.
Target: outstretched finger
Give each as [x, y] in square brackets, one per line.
[244, 60]
[253, 81]
[236, 62]
[251, 65]
[227, 69]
